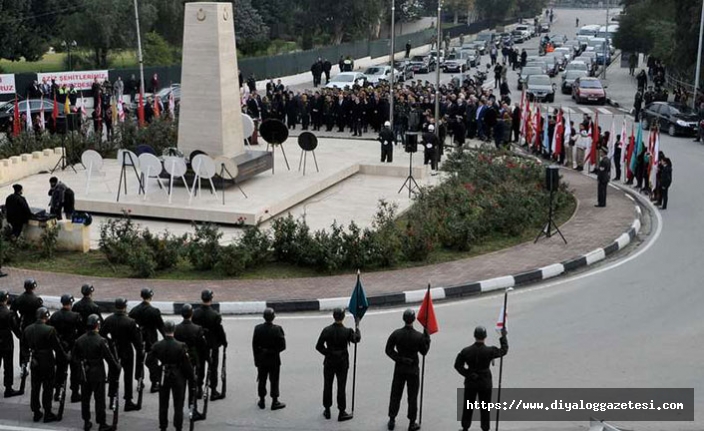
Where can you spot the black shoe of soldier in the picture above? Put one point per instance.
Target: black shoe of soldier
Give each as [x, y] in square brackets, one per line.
[155, 388]
[215, 396]
[75, 397]
[57, 395]
[106, 427]
[261, 403]
[50, 417]
[130, 406]
[391, 425]
[87, 426]
[344, 416]
[197, 416]
[9, 393]
[277, 405]
[326, 413]
[413, 426]
[38, 416]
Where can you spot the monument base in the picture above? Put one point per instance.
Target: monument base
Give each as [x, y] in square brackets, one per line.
[249, 164]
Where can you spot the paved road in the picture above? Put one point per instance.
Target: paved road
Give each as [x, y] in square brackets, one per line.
[635, 323]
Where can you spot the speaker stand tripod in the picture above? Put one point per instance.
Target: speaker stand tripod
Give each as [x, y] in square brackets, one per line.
[63, 161]
[547, 231]
[410, 182]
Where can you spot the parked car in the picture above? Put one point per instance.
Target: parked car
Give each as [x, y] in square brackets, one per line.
[375, 74]
[569, 77]
[540, 88]
[518, 36]
[528, 30]
[576, 47]
[543, 65]
[434, 54]
[526, 72]
[676, 118]
[486, 39]
[453, 64]
[589, 62]
[506, 39]
[405, 71]
[347, 79]
[577, 65]
[589, 30]
[470, 57]
[7, 111]
[558, 40]
[554, 62]
[566, 52]
[545, 28]
[588, 89]
[422, 64]
[163, 95]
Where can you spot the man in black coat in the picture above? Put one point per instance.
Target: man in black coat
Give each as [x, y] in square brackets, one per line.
[149, 320]
[211, 321]
[408, 49]
[41, 342]
[617, 157]
[18, 211]
[193, 336]
[177, 370]
[665, 181]
[86, 306]
[127, 337]
[69, 326]
[386, 137]
[473, 364]
[89, 353]
[403, 347]
[516, 123]
[327, 67]
[603, 177]
[26, 306]
[431, 143]
[268, 341]
[8, 327]
[332, 344]
[317, 70]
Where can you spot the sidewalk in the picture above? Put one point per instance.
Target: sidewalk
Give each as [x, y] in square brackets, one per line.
[592, 234]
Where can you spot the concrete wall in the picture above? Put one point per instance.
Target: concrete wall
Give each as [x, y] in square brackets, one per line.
[22, 166]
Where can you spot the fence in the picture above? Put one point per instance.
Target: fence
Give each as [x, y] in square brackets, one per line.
[585, 4]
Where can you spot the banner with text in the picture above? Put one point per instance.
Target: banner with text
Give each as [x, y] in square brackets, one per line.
[7, 84]
[81, 80]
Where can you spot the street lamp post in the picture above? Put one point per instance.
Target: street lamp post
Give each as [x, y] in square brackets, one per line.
[68, 46]
[140, 59]
[391, 61]
[606, 45]
[437, 71]
[699, 58]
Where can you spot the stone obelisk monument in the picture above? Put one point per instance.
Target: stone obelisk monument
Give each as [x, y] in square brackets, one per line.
[210, 118]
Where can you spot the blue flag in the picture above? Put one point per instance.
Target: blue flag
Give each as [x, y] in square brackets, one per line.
[358, 302]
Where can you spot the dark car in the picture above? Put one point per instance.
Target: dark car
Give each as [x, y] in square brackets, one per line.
[422, 64]
[676, 118]
[506, 39]
[7, 111]
[453, 64]
[406, 70]
[518, 36]
[163, 95]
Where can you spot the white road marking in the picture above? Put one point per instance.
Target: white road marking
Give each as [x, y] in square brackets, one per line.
[585, 110]
[605, 111]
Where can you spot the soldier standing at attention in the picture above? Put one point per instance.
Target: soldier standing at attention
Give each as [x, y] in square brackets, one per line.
[89, 353]
[85, 306]
[403, 347]
[8, 327]
[69, 327]
[211, 321]
[173, 357]
[43, 342]
[193, 337]
[332, 344]
[473, 363]
[149, 320]
[268, 342]
[128, 339]
[26, 306]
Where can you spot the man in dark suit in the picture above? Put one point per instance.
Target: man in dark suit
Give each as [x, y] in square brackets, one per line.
[268, 342]
[473, 364]
[603, 177]
[18, 211]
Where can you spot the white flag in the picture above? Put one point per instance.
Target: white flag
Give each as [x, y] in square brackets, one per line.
[28, 113]
[612, 140]
[500, 322]
[42, 126]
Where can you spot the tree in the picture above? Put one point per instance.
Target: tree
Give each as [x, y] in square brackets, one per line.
[250, 29]
[157, 52]
[27, 26]
[495, 10]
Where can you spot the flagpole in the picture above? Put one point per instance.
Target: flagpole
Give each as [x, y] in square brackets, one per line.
[354, 367]
[501, 361]
[422, 372]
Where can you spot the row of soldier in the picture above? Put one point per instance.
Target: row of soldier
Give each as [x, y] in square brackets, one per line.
[188, 352]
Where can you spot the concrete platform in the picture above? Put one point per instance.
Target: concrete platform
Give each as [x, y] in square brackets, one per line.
[268, 194]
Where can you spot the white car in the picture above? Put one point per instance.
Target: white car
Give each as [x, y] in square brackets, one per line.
[374, 74]
[347, 79]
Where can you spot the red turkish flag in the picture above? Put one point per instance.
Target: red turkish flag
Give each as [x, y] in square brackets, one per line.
[140, 110]
[16, 126]
[426, 314]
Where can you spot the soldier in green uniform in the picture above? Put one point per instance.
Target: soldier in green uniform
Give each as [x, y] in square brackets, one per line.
[332, 344]
[268, 342]
[149, 320]
[177, 369]
[42, 344]
[90, 352]
[86, 306]
[211, 321]
[128, 339]
[8, 327]
[26, 306]
[69, 326]
[193, 337]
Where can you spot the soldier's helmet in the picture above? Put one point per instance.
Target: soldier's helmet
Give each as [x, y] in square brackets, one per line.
[338, 314]
[146, 293]
[187, 310]
[93, 321]
[66, 299]
[169, 327]
[480, 333]
[120, 303]
[30, 284]
[42, 313]
[269, 314]
[207, 295]
[409, 316]
[4, 296]
[87, 289]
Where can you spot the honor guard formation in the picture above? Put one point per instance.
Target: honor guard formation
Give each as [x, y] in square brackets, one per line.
[75, 346]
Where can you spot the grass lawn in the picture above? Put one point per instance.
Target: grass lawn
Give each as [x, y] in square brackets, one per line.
[54, 62]
[94, 263]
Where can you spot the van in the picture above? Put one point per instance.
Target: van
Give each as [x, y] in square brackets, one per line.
[589, 30]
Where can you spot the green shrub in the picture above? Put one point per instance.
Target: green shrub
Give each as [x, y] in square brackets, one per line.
[49, 239]
[233, 260]
[204, 248]
[140, 259]
[292, 242]
[258, 245]
[166, 248]
[385, 236]
[117, 238]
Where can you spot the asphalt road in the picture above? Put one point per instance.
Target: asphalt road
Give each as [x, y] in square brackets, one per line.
[635, 322]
